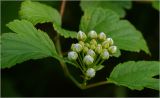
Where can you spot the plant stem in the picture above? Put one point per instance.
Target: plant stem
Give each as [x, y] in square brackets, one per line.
[80, 67]
[58, 40]
[58, 46]
[62, 7]
[81, 61]
[98, 59]
[96, 84]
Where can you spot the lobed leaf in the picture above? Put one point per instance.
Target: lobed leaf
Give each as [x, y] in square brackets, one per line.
[136, 75]
[26, 43]
[65, 33]
[116, 6]
[124, 34]
[36, 12]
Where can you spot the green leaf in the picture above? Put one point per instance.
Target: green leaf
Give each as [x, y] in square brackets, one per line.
[124, 34]
[36, 12]
[136, 75]
[156, 4]
[117, 6]
[65, 33]
[26, 43]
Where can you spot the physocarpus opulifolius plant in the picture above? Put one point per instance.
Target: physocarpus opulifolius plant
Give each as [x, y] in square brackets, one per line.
[90, 52]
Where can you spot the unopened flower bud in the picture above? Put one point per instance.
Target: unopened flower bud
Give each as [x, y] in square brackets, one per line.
[105, 44]
[102, 36]
[93, 47]
[88, 60]
[110, 41]
[104, 54]
[91, 53]
[112, 49]
[81, 43]
[93, 42]
[98, 49]
[72, 55]
[87, 45]
[92, 34]
[85, 49]
[81, 36]
[76, 47]
[91, 72]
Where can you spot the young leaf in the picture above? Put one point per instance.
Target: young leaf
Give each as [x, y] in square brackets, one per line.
[26, 43]
[117, 6]
[36, 12]
[136, 75]
[65, 33]
[124, 34]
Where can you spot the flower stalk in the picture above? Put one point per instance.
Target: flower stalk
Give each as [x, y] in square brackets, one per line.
[87, 52]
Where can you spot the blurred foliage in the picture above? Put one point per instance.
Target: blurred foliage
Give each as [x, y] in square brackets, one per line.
[45, 77]
[156, 5]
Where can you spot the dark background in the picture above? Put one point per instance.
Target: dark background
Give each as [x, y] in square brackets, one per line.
[44, 77]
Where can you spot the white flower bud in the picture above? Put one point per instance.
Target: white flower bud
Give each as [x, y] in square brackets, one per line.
[110, 41]
[92, 34]
[76, 47]
[98, 49]
[91, 53]
[105, 44]
[72, 55]
[104, 54]
[102, 36]
[91, 72]
[81, 36]
[88, 60]
[112, 49]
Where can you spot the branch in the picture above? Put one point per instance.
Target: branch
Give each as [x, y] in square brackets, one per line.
[62, 7]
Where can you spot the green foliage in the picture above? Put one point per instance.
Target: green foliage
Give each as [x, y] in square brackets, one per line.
[29, 43]
[117, 6]
[136, 75]
[65, 33]
[124, 34]
[26, 43]
[36, 12]
[156, 4]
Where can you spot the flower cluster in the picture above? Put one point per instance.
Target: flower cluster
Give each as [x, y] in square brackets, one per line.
[90, 51]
